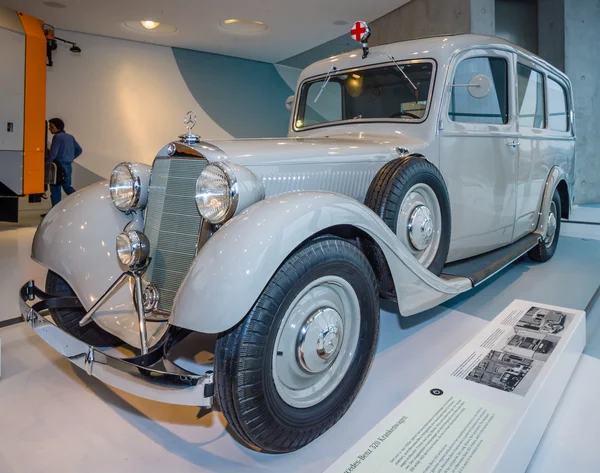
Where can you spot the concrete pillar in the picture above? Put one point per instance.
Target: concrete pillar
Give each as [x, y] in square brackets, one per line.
[482, 17]
[420, 18]
[551, 32]
[568, 39]
[582, 65]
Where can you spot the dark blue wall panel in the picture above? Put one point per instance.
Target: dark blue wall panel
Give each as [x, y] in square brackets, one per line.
[246, 98]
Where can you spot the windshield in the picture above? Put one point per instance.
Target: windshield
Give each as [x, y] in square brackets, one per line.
[399, 91]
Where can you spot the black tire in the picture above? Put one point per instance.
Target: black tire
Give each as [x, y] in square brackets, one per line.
[390, 186]
[543, 251]
[68, 319]
[245, 384]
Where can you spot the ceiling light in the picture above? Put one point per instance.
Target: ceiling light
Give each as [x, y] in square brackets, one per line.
[149, 24]
[237, 26]
[150, 27]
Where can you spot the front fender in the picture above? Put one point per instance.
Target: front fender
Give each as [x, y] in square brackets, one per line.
[76, 240]
[235, 265]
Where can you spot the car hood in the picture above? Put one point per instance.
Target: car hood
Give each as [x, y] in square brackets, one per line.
[356, 147]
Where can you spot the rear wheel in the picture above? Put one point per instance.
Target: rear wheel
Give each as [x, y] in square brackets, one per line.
[68, 319]
[546, 248]
[293, 366]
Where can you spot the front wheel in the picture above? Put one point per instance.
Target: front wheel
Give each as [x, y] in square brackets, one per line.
[293, 366]
[68, 319]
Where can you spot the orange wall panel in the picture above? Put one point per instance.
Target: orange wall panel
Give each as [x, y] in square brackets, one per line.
[35, 105]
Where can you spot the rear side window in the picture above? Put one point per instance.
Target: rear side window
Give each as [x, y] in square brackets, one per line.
[531, 97]
[557, 106]
[469, 102]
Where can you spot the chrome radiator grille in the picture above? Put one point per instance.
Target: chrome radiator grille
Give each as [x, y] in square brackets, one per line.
[172, 224]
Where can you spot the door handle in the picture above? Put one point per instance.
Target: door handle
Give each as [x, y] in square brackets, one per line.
[513, 143]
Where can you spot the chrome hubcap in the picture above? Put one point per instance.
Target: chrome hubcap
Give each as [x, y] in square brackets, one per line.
[420, 228]
[551, 226]
[419, 223]
[316, 341]
[320, 340]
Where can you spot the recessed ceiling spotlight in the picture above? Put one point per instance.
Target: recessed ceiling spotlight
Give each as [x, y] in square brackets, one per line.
[149, 26]
[340, 22]
[236, 26]
[54, 5]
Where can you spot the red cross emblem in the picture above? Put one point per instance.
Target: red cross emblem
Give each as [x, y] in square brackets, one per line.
[360, 31]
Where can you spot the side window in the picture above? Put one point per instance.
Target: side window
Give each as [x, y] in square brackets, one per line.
[531, 97]
[557, 106]
[480, 91]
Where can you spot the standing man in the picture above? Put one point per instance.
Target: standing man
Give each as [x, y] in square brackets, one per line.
[63, 152]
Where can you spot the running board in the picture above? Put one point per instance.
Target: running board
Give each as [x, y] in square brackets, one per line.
[479, 268]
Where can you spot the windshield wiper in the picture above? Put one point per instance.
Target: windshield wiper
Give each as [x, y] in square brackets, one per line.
[415, 88]
[332, 72]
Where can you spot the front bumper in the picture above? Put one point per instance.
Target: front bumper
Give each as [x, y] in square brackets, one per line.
[144, 376]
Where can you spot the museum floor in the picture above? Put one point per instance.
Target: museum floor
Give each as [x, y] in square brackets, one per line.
[54, 418]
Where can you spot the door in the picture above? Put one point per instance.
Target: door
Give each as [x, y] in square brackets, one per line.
[478, 151]
[532, 170]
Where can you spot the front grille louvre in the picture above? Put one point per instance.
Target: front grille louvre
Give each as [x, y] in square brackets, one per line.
[172, 224]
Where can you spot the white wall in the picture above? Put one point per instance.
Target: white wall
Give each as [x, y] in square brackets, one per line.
[122, 100]
[12, 81]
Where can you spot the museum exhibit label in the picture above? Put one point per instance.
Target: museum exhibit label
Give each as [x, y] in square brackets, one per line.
[486, 409]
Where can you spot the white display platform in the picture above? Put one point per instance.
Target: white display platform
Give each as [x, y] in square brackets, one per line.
[485, 409]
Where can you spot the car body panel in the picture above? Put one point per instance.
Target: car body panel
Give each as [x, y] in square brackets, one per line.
[76, 240]
[343, 164]
[247, 250]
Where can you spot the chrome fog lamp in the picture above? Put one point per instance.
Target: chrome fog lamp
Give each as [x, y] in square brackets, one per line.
[217, 193]
[125, 187]
[133, 248]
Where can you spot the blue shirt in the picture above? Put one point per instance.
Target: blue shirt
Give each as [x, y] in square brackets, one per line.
[64, 149]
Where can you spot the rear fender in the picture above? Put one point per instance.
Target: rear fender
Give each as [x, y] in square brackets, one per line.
[76, 240]
[555, 176]
[235, 265]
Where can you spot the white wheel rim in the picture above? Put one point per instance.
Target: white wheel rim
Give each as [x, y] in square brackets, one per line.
[316, 342]
[551, 226]
[419, 224]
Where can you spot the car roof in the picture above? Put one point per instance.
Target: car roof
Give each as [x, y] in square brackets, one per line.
[440, 48]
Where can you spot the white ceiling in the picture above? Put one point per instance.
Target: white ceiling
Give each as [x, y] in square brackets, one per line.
[294, 25]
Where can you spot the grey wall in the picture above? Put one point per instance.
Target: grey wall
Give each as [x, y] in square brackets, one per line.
[568, 38]
[420, 18]
[551, 32]
[482, 18]
[416, 19]
[582, 65]
[516, 21]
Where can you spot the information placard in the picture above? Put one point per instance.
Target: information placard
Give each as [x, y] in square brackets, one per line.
[487, 407]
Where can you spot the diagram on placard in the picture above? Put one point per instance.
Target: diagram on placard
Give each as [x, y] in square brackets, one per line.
[519, 354]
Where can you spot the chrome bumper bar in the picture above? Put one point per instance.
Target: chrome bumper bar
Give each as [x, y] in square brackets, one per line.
[138, 375]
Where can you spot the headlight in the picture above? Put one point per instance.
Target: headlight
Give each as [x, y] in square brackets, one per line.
[133, 248]
[216, 193]
[125, 187]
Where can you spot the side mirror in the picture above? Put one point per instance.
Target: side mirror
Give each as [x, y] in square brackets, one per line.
[480, 86]
[289, 102]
